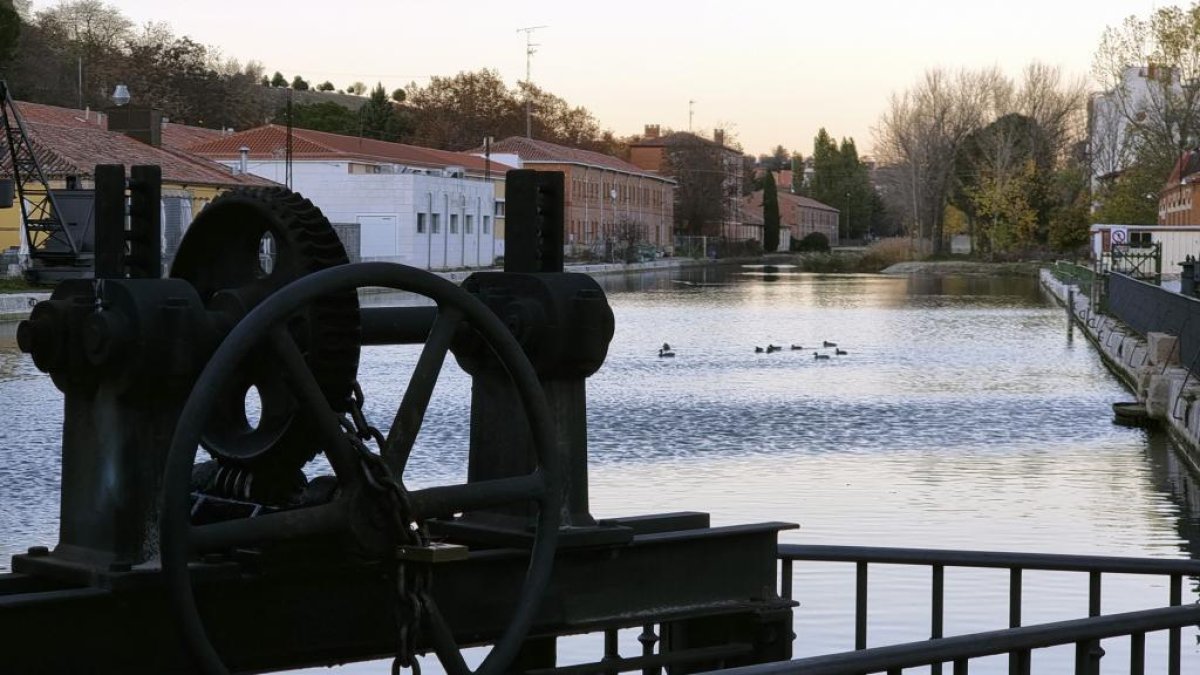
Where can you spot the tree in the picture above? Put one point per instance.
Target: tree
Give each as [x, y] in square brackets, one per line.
[797, 167]
[265, 81]
[628, 234]
[299, 84]
[381, 119]
[841, 180]
[698, 167]
[10, 30]
[278, 80]
[325, 116]
[356, 88]
[398, 95]
[770, 204]
[325, 86]
[456, 113]
[1151, 69]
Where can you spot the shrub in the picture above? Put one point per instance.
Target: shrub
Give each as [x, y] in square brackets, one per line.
[814, 241]
[885, 253]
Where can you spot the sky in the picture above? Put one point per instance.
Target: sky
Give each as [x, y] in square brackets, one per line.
[770, 72]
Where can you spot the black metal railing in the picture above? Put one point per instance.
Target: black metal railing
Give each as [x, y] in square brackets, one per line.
[1075, 275]
[1017, 641]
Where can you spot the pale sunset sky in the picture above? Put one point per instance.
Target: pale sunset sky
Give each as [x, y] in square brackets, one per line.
[770, 72]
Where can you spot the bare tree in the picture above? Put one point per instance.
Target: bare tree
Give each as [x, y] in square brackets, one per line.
[1150, 69]
[628, 234]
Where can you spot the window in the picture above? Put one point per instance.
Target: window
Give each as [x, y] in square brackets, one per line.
[453, 223]
[469, 224]
[1140, 240]
[487, 224]
[421, 223]
[500, 209]
[435, 224]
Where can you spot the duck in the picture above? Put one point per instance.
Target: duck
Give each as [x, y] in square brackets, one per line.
[840, 352]
[796, 347]
[773, 348]
[664, 354]
[758, 350]
[830, 344]
[820, 357]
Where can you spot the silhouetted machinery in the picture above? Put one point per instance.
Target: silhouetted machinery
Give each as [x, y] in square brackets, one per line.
[242, 563]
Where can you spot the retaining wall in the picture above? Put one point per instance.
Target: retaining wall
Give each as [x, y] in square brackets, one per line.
[1148, 365]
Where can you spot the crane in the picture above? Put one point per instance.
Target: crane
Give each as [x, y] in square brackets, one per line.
[49, 241]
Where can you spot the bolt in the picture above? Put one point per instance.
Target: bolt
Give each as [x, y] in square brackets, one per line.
[39, 551]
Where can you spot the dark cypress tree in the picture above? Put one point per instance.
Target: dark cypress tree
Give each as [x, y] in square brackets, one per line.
[770, 214]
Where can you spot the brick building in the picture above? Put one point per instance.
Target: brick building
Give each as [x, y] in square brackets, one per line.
[653, 152]
[604, 195]
[1177, 201]
[801, 216]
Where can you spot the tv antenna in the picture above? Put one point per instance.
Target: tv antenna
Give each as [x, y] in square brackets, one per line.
[529, 52]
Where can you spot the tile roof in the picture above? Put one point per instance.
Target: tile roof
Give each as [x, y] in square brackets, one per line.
[752, 203]
[270, 141]
[535, 151]
[72, 142]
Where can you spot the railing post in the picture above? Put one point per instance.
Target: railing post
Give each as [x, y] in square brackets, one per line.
[860, 606]
[938, 611]
[1137, 654]
[1174, 643]
[1014, 619]
[1087, 657]
[785, 581]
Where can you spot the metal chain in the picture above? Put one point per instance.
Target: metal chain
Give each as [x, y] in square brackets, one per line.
[411, 586]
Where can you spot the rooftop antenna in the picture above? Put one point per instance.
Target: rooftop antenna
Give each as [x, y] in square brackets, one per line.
[529, 52]
[691, 113]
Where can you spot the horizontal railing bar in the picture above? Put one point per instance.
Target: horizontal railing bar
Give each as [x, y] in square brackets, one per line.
[1051, 562]
[990, 643]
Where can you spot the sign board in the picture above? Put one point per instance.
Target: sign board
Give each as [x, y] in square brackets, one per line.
[1119, 236]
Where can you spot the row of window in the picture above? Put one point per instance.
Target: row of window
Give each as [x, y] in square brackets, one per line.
[624, 192]
[433, 222]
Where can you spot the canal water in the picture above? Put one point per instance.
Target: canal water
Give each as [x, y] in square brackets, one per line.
[965, 414]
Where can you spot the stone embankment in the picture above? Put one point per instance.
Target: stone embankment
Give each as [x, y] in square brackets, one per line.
[1148, 366]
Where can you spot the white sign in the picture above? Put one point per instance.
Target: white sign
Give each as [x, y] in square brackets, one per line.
[1119, 236]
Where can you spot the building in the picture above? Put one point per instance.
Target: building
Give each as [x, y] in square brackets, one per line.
[653, 154]
[1110, 115]
[389, 201]
[609, 203]
[70, 143]
[799, 216]
[1177, 201]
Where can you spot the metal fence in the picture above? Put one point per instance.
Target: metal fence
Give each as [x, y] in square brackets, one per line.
[1017, 641]
[1147, 308]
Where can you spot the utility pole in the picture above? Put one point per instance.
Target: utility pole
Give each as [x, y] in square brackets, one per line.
[691, 113]
[529, 52]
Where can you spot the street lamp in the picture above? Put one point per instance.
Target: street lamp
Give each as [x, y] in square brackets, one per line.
[847, 215]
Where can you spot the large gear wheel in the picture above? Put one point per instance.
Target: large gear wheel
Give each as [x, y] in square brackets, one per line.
[244, 246]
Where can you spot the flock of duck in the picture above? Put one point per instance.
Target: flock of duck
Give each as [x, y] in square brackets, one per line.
[665, 352]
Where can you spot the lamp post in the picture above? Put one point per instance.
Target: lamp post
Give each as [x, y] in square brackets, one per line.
[847, 215]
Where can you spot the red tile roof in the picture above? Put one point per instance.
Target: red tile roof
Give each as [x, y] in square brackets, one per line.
[788, 202]
[535, 152]
[270, 141]
[72, 142]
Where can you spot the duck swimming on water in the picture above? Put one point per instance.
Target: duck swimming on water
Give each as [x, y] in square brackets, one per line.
[663, 354]
[830, 344]
[840, 352]
[820, 357]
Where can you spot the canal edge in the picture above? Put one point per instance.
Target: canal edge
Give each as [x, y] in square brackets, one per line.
[1170, 392]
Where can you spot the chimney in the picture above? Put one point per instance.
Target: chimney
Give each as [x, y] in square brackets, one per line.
[652, 131]
[719, 136]
[143, 124]
[243, 160]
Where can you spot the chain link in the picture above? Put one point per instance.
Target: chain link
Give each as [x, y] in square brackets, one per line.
[412, 581]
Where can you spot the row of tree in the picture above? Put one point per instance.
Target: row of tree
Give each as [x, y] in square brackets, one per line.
[1004, 154]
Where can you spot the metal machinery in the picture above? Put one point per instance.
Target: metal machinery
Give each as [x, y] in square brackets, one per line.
[57, 249]
[242, 563]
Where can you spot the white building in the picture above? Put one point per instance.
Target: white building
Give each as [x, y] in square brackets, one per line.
[1110, 114]
[389, 201]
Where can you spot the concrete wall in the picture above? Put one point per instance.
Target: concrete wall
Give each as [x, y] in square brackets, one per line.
[1149, 366]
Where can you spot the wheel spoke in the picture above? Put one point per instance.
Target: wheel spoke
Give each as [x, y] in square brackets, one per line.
[337, 446]
[443, 641]
[445, 501]
[407, 424]
[272, 527]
